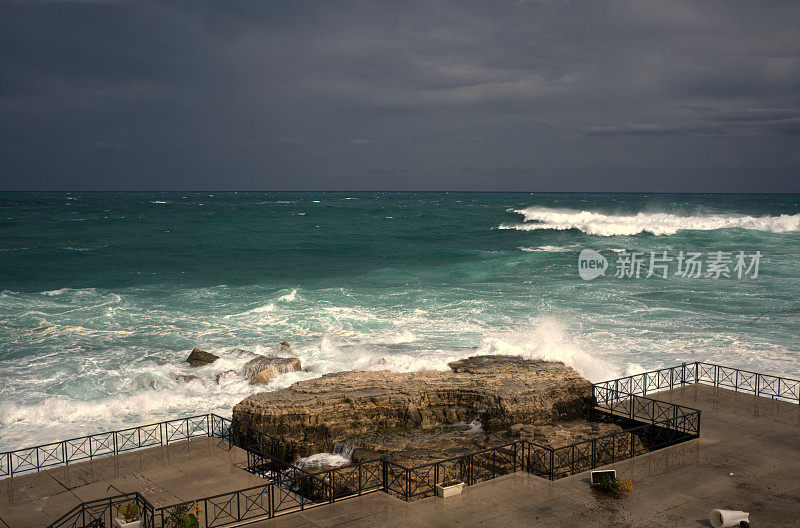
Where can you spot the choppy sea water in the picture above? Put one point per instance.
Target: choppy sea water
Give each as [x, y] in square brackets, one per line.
[102, 296]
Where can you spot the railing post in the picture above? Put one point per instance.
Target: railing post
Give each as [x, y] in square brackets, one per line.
[272, 487]
[385, 476]
[572, 466]
[632, 446]
[613, 448]
[514, 465]
[333, 485]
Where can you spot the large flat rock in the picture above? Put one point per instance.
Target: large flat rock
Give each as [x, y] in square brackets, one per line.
[500, 390]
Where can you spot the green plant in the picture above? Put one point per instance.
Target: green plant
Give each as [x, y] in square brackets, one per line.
[183, 516]
[130, 512]
[449, 479]
[612, 485]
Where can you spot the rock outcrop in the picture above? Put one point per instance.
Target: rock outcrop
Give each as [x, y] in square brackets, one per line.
[262, 369]
[271, 367]
[198, 358]
[502, 391]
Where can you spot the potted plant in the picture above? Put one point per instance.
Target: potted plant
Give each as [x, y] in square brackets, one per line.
[128, 516]
[611, 485]
[183, 516]
[450, 485]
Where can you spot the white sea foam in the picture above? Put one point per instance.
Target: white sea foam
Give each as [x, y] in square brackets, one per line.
[59, 291]
[341, 456]
[594, 223]
[545, 338]
[544, 249]
[403, 337]
[289, 297]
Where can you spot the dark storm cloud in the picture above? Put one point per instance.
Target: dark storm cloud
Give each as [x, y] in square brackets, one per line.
[526, 95]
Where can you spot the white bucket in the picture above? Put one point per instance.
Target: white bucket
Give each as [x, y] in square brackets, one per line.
[727, 518]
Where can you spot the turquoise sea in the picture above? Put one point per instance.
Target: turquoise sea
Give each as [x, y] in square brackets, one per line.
[103, 295]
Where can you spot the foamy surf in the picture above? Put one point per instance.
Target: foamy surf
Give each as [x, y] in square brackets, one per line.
[594, 223]
[544, 249]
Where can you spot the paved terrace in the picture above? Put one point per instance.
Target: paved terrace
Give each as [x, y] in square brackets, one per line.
[165, 475]
[756, 439]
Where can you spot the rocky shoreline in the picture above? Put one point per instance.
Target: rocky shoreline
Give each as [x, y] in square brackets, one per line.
[417, 417]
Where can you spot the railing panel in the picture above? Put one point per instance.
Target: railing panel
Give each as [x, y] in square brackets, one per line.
[284, 498]
[707, 373]
[176, 430]
[423, 480]
[24, 460]
[371, 475]
[77, 449]
[221, 510]
[51, 455]
[101, 445]
[254, 502]
[396, 479]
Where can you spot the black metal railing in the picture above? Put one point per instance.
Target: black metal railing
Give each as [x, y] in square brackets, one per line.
[110, 443]
[622, 445]
[650, 425]
[738, 380]
[225, 509]
[101, 512]
[638, 408]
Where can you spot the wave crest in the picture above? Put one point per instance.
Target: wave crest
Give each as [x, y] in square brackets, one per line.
[594, 223]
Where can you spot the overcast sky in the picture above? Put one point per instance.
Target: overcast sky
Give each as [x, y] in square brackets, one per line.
[536, 95]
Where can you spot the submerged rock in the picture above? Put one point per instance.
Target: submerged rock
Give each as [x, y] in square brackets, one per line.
[224, 375]
[198, 358]
[312, 415]
[185, 377]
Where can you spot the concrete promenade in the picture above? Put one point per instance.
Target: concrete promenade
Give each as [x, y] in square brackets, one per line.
[165, 475]
[748, 458]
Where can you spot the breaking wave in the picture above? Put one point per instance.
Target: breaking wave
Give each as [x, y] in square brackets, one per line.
[594, 223]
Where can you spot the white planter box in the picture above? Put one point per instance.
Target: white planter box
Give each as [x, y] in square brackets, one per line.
[119, 522]
[449, 491]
